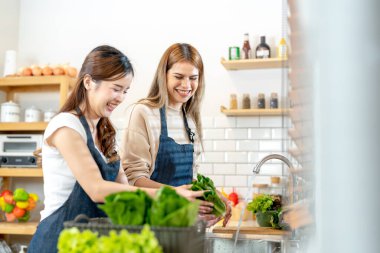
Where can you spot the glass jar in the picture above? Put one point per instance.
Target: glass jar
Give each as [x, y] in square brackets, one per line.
[233, 101]
[246, 101]
[261, 101]
[273, 101]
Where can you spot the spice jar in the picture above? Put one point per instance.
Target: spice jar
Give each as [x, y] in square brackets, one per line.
[261, 101]
[48, 115]
[10, 112]
[32, 114]
[233, 101]
[273, 100]
[246, 101]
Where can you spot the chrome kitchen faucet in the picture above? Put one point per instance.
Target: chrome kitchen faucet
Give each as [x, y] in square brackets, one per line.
[257, 168]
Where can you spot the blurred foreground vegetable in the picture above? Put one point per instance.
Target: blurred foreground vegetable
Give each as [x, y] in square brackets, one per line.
[137, 208]
[73, 241]
[172, 210]
[128, 208]
[211, 195]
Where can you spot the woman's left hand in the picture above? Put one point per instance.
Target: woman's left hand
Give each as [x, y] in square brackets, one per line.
[205, 210]
[228, 214]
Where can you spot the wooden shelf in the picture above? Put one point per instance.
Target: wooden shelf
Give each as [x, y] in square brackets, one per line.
[254, 63]
[22, 228]
[22, 81]
[254, 112]
[32, 84]
[250, 230]
[21, 172]
[23, 126]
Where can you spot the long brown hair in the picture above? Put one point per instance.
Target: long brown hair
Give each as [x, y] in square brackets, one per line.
[158, 93]
[103, 63]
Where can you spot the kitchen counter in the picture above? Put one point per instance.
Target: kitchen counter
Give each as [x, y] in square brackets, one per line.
[249, 230]
[251, 238]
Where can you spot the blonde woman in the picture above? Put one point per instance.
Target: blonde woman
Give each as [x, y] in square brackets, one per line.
[163, 134]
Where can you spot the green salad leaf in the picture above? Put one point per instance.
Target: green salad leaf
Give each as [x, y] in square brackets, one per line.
[137, 208]
[172, 210]
[260, 203]
[263, 203]
[211, 195]
[128, 208]
[73, 241]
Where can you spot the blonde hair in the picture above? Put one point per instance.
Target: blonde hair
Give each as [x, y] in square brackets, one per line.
[158, 92]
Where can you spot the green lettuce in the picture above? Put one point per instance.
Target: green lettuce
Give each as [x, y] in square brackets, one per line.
[211, 195]
[128, 208]
[136, 208]
[172, 210]
[73, 241]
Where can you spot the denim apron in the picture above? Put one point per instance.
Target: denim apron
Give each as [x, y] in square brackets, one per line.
[174, 162]
[46, 237]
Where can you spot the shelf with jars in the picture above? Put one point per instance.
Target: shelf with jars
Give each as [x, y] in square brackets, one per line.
[266, 63]
[11, 87]
[254, 112]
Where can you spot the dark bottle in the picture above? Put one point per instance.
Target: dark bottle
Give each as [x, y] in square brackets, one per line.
[246, 49]
[261, 101]
[262, 50]
[273, 101]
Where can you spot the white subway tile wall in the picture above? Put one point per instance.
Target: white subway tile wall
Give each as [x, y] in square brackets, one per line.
[234, 145]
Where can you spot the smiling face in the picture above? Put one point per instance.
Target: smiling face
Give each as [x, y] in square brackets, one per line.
[182, 83]
[105, 96]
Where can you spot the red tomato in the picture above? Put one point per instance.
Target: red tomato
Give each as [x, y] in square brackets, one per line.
[18, 212]
[234, 198]
[8, 198]
[32, 204]
[10, 217]
[6, 192]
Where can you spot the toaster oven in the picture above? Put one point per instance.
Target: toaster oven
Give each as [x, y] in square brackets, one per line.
[16, 150]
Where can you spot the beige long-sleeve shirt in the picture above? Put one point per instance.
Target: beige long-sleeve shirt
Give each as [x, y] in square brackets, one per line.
[140, 140]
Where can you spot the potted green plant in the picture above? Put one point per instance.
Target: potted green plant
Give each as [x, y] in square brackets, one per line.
[267, 209]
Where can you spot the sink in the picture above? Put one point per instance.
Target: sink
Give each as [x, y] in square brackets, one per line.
[224, 243]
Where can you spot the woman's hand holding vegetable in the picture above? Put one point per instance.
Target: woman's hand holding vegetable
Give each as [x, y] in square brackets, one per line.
[228, 214]
[205, 210]
[184, 190]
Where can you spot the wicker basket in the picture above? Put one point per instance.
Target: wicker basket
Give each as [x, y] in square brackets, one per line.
[172, 239]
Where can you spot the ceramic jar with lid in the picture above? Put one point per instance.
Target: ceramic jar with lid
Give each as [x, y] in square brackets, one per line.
[32, 114]
[10, 112]
[48, 115]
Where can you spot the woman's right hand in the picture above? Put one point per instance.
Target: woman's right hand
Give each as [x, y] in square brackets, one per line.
[184, 190]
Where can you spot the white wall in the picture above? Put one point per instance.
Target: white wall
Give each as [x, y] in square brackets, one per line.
[9, 28]
[57, 32]
[53, 32]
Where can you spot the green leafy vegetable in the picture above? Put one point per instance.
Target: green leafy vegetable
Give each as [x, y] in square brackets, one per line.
[261, 203]
[211, 195]
[172, 210]
[73, 241]
[265, 203]
[128, 208]
[137, 208]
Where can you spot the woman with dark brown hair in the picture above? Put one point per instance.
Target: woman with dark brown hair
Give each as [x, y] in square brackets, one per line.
[163, 134]
[80, 163]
